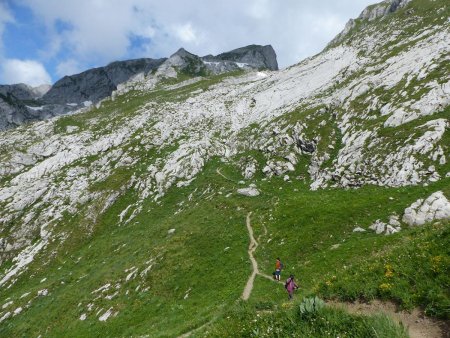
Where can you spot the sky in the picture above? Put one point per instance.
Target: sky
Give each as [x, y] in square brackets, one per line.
[43, 40]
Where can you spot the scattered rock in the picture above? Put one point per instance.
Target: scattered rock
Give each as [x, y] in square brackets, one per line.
[5, 316]
[359, 229]
[106, 315]
[43, 292]
[435, 207]
[251, 192]
[391, 230]
[170, 231]
[394, 220]
[379, 227]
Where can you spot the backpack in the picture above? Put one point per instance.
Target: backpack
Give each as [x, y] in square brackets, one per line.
[287, 283]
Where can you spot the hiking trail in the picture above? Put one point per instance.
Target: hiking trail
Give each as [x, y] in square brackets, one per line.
[415, 322]
[251, 249]
[417, 325]
[222, 175]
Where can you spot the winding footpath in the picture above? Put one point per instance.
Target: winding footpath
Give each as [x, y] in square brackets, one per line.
[417, 325]
[251, 249]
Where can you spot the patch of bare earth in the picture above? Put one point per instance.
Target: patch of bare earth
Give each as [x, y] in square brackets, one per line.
[417, 324]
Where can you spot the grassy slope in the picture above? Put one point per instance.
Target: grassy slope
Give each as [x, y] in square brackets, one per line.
[308, 223]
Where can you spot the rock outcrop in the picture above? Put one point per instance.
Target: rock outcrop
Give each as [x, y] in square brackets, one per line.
[254, 56]
[435, 207]
[98, 83]
[371, 13]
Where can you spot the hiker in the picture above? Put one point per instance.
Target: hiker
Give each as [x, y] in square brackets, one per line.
[278, 267]
[290, 286]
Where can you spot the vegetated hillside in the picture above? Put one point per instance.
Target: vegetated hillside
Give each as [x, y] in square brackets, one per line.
[130, 219]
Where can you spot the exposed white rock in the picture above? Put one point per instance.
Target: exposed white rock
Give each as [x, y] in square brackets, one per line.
[106, 315]
[392, 230]
[5, 316]
[251, 192]
[83, 316]
[378, 226]
[43, 292]
[25, 295]
[435, 207]
[394, 220]
[170, 231]
[359, 229]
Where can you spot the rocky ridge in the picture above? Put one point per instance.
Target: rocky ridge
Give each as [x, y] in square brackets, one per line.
[21, 104]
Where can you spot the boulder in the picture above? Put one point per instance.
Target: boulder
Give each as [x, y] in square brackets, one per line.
[250, 192]
[379, 227]
[435, 207]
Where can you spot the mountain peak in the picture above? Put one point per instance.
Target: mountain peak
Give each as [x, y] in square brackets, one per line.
[255, 55]
[371, 13]
[183, 53]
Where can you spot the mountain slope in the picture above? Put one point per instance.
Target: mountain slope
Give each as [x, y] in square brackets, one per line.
[22, 104]
[126, 219]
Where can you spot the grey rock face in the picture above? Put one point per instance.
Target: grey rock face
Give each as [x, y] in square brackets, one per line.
[21, 103]
[372, 13]
[22, 91]
[260, 57]
[98, 83]
[14, 114]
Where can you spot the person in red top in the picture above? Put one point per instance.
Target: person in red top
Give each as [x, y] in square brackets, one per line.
[278, 268]
[290, 286]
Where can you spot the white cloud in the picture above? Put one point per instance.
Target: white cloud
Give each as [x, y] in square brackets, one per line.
[24, 71]
[186, 33]
[68, 67]
[98, 32]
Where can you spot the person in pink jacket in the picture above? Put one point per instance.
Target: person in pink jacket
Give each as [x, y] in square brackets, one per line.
[290, 286]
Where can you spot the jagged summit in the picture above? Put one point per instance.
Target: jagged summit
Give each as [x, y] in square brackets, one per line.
[263, 57]
[369, 14]
[97, 83]
[183, 53]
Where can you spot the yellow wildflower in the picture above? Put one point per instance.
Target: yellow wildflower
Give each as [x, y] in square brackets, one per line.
[385, 286]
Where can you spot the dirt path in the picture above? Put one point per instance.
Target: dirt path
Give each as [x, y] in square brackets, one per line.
[251, 249]
[190, 333]
[417, 325]
[220, 174]
[415, 322]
